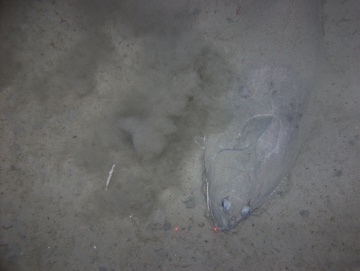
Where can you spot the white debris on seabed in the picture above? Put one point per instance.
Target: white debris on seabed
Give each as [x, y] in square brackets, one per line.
[109, 177]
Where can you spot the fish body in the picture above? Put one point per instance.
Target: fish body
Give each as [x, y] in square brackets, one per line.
[246, 163]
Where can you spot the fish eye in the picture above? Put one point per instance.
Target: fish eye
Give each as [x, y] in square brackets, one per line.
[225, 204]
[245, 211]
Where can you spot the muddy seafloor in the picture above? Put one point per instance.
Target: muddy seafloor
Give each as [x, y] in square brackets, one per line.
[88, 84]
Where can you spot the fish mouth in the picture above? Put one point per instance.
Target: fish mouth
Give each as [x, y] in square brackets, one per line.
[224, 222]
[220, 220]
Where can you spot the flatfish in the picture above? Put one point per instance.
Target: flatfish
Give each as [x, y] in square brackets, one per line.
[246, 163]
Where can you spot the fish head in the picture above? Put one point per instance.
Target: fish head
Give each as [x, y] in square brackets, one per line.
[230, 192]
[227, 213]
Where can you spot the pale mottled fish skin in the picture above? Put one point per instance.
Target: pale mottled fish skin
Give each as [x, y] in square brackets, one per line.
[246, 163]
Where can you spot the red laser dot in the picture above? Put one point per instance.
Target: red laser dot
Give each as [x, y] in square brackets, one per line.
[216, 229]
[176, 228]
